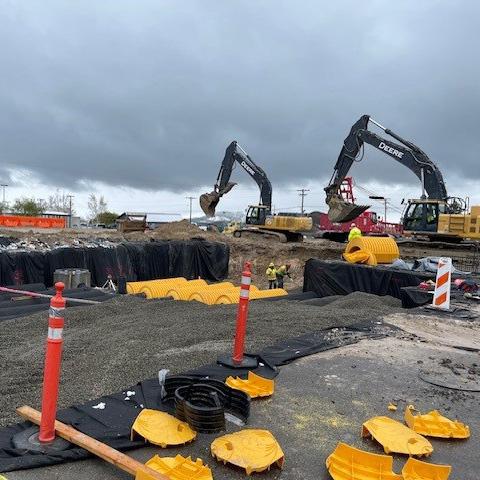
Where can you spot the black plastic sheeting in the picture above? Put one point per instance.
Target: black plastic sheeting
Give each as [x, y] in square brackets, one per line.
[413, 297]
[340, 278]
[112, 424]
[136, 261]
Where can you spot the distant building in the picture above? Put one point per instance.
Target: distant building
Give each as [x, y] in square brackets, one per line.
[156, 219]
[131, 222]
[137, 221]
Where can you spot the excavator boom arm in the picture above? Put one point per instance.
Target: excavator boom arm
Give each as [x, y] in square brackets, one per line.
[405, 152]
[235, 153]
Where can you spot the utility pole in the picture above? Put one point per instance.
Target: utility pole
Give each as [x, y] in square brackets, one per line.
[70, 210]
[190, 199]
[303, 194]
[3, 185]
[384, 200]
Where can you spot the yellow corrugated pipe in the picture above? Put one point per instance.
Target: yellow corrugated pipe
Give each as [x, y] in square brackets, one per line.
[184, 291]
[227, 297]
[371, 250]
[160, 290]
[217, 296]
[213, 297]
[274, 292]
[210, 292]
[136, 287]
[233, 296]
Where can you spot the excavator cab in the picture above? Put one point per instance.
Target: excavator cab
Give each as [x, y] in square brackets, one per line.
[422, 215]
[256, 215]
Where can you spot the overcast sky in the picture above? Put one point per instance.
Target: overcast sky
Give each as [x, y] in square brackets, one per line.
[139, 99]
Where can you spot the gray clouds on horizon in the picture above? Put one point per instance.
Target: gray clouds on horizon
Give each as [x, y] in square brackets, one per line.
[148, 94]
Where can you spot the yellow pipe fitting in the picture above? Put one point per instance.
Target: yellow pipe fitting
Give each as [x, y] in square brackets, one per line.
[136, 287]
[372, 250]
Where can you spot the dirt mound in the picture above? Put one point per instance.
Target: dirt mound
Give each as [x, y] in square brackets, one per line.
[362, 301]
[182, 230]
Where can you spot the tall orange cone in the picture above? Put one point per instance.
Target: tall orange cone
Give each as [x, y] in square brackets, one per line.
[238, 359]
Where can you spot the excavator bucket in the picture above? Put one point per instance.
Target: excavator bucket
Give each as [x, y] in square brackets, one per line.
[340, 211]
[209, 201]
[179, 468]
[417, 470]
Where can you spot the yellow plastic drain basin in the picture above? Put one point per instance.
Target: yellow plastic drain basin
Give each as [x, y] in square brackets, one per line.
[396, 437]
[178, 468]
[417, 470]
[349, 463]
[251, 449]
[162, 429]
[255, 385]
[432, 424]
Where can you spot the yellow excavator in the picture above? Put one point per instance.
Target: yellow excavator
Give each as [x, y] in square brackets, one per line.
[259, 219]
[434, 215]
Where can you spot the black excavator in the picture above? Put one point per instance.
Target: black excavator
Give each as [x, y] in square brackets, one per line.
[259, 219]
[421, 215]
[235, 153]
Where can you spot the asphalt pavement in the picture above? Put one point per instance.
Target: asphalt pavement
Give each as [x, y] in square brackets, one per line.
[323, 399]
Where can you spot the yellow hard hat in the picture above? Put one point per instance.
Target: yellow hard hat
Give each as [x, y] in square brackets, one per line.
[271, 264]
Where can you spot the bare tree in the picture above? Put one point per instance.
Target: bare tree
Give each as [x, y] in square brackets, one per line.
[59, 202]
[96, 206]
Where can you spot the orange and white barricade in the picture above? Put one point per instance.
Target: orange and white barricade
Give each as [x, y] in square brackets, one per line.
[441, 296]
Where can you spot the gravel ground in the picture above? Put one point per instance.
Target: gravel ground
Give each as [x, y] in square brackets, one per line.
[120, 342]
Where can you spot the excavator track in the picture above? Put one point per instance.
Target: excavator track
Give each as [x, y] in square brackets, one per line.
[256, 233]
[462, 246]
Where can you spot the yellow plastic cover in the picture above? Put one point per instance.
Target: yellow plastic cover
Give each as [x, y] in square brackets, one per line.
[432, 424]
[360, 256]
[255, 385]
[396, 437]
[349, 463]
[416, 470]
[178, 468]
[162, 429]
[251, 449]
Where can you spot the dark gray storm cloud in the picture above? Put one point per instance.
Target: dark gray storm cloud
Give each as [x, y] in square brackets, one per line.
[149, 93]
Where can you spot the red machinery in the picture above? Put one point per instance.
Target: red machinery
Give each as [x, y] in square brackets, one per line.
[367, 222]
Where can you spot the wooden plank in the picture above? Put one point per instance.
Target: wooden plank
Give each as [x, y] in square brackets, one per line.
[109, 454]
